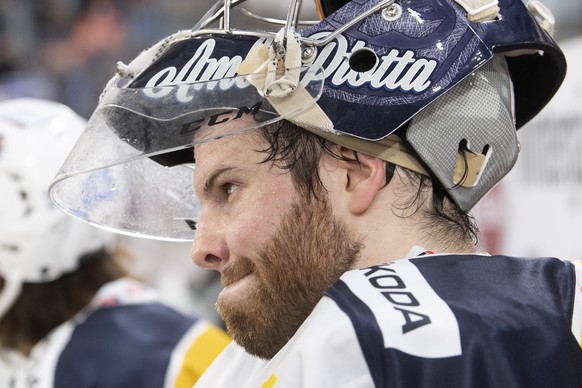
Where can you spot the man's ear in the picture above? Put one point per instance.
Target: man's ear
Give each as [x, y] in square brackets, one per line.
[365, 176]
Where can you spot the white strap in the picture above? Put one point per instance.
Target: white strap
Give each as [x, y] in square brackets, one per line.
[284, 51]
[480, 10]
[264, 66]
[543, 15]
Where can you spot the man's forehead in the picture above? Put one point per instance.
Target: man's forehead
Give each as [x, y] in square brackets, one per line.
[230, 148]
[224, 124]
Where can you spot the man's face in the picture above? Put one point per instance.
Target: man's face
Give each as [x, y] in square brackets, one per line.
[276, 250]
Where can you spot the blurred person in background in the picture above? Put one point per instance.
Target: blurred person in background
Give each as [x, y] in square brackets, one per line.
[79, 59]
[70, 314]
[185, 287]
[19, 39]
[66, 50]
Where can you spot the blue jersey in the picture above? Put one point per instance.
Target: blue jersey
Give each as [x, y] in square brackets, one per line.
[454, 321]
[126, 338]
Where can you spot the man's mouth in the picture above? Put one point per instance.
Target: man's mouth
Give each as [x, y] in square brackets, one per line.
[234, 274]
[237, 289]
[230, 281]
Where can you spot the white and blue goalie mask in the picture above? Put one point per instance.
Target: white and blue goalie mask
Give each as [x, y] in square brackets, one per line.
[439, 73]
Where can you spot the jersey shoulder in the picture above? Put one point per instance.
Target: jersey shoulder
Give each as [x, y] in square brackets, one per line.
[441, 312]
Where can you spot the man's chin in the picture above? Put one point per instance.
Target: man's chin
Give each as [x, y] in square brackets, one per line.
[257, 336]
[239, 303]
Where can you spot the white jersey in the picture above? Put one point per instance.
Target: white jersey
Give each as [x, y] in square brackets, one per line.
[455, 321]
[125, 338]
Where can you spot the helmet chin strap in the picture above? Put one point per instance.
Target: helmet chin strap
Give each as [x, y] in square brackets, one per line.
[10, 291]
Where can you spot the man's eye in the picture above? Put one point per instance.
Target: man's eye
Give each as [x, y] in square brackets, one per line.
[229, 188]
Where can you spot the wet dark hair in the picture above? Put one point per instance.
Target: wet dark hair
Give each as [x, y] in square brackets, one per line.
[299, 151]
[41, 307]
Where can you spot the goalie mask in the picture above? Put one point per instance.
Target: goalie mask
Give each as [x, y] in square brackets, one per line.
[453, 78]
[38, 242]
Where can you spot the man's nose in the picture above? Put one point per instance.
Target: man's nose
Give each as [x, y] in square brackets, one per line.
[209, 248]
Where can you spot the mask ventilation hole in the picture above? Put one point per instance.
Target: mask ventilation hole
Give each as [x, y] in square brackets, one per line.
[363, 60]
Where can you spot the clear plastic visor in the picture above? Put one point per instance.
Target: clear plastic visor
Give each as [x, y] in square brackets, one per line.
[131, 169]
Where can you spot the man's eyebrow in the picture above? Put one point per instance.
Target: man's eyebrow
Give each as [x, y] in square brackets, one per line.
[212, 177]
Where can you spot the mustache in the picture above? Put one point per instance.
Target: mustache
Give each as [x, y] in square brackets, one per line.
[235, 272]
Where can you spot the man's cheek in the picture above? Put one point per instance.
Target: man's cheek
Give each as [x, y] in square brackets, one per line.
[247, 233]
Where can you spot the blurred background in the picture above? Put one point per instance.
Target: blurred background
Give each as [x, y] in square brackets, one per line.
[66, 50]
[537, 209]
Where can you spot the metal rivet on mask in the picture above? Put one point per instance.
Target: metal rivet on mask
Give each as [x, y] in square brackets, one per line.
[308, 53]
[392, 12]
